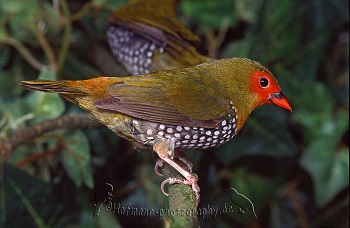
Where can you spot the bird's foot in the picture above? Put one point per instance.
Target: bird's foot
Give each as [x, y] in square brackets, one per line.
[172, 180]
[180, 156]
[162, 149]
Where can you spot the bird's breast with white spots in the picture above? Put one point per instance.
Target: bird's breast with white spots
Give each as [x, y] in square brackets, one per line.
[185, 137]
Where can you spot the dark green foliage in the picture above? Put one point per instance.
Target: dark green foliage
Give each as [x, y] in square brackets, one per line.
[294, 167]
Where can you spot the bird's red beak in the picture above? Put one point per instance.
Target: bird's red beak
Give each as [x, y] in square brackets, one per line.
[280, 100]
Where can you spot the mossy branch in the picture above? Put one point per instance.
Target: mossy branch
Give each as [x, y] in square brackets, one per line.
[182, 201]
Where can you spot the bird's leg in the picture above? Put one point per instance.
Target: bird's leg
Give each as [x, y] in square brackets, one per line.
[162, 149]
[180, 156]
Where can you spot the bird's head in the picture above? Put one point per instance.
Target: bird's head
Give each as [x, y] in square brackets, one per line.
[267, 90]
[248, 85]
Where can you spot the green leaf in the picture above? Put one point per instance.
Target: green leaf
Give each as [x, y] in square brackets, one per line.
[79, 69]
[281, 214]
[29, 198]
[26, 202]
[23, 16]
[45, 105]
[276, 33]
[328, 168]
[240, 48]
[104, 219]
[210, 13]
[315, 114]
[259, 190]
[3, 32]
[264, 134]
[4, 56]
[26, 17]
[77, 158]
[112, 5]
[15, 110]
[248, 10]
[9, 77]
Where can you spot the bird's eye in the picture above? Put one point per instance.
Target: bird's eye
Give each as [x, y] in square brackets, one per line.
[264, 82]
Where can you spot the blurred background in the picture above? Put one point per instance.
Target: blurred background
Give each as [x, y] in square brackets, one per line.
[294, 167]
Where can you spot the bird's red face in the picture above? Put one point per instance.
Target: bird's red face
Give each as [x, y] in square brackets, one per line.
[268, 91]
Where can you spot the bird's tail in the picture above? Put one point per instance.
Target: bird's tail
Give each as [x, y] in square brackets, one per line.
[61, 87]
[67, 89]
[95, 88]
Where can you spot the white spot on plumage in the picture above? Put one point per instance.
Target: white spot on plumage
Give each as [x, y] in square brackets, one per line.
[169, 130]
[152, 47]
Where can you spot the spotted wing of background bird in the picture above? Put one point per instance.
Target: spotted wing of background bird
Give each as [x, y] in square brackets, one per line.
[146, 37]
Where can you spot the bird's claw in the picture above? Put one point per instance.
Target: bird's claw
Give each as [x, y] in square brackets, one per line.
[193, 184]
[158, 164]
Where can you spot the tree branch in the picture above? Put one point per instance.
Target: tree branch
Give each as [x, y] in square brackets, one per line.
[21, 136]
[25, 53]
[66, 38]
[182, 201]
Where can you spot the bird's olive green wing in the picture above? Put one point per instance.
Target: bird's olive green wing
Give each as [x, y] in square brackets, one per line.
[178, 97]
[141, 16]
